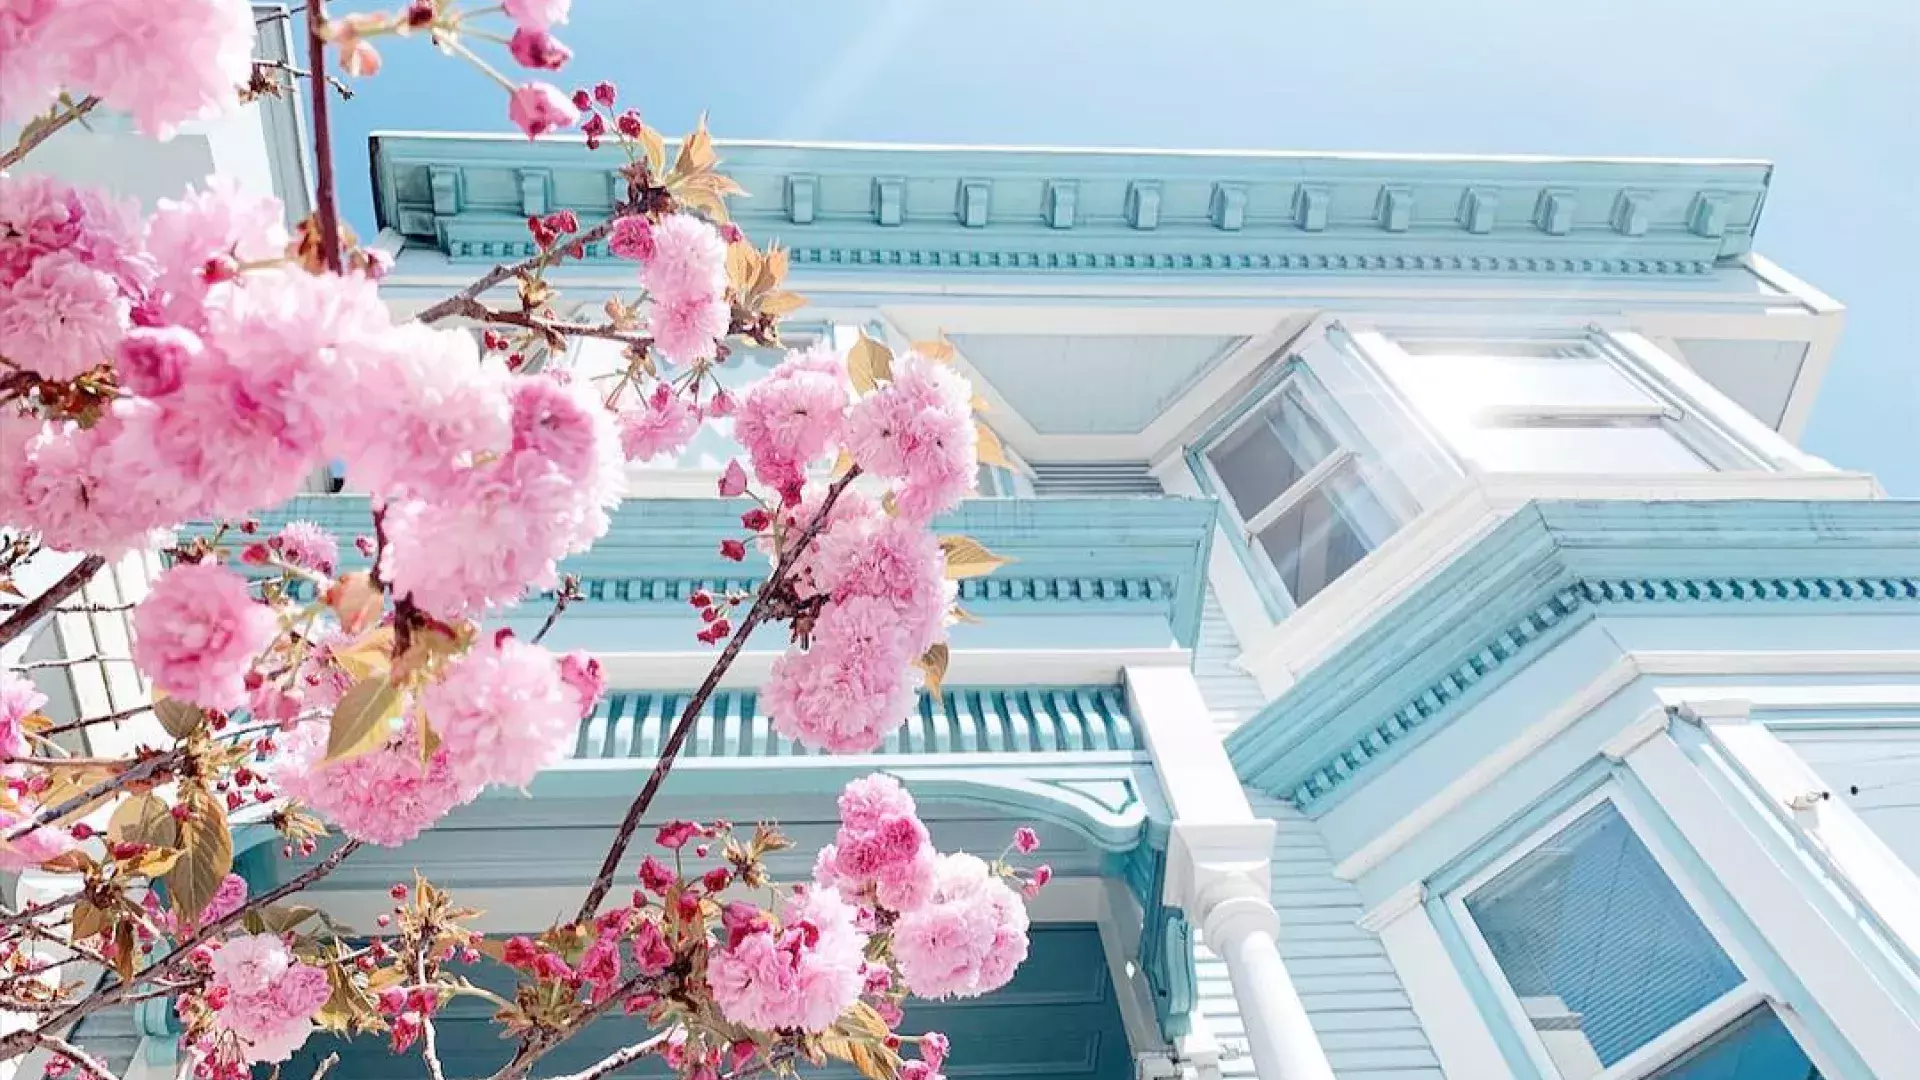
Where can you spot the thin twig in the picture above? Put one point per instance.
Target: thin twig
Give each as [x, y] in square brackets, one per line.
[430, 1037]
[326, 211]
[55, 813]
[72, 661]
[479, 312]
[455, 304]
[79, 609]
[28, 914]
[345, 91]
[75, 579]
[326, 1066]
[541, 1043]
[39, 133]
[110, 718]
[619, 1059]
[568, 592]
[691, 714]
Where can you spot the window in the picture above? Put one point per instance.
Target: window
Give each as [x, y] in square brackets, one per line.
[1306, 511]
[1562, 405]
[1609, 970]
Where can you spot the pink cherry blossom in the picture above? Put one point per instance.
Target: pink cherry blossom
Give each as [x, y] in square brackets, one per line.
[270, 997]
[503, 713]
[687, 327]
[537, 108]
[632, 238]
[793, 416]
[220, 221]
[538, 14]
[662, 425]
[62, 318]
[919, 431]
[153, 360]
[308, 546]
[30, 69]
[387, 796]
[198, 632]
[83, 489]
[882, 851]
[36, 847]
[582, 674]
[969, 936]
[1025, 840]
[41, 215]
[539, 50]
[851, 688]
[689, 261]
[437, 408]
[164, 63]
[803, 975]
[19, 699]
[892, 560]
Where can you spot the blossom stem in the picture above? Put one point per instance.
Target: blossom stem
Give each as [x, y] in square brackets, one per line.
[430, 1037]
[456, 304]
[691, 714]
[326, 211]
[40, 131]
[31, 612]
[486, 69]
[55, 813]
[619, 1059]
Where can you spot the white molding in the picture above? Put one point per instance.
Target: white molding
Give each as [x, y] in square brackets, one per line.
[1616, 677]
[969, 667]
[1707, 1021]
[1652, 722]
[1196, 776]
[1848, 991]
[1455, 1028]
[1405, 899]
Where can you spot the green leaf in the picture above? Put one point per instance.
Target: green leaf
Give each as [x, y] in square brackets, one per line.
[206, 857]
[360, 720]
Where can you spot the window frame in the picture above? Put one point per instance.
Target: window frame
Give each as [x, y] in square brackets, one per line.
[1693, 427]
[1671, 1046]
[1351, 456]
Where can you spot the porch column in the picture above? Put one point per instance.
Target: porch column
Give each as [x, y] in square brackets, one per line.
[1219, 873]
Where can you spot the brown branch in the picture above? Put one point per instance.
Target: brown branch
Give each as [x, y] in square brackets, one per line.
[340, 87]
[37, 133]
[72, 661]
[568, 592]
[326, 1066]
[691, 714]
[31, 612]
[430, 1036]
[326, 211]
[541, 1043]
[110, 718]
[52, 814]
[92, 1066]
[80, 609]
[619, 1059]
[28, 914]
[479, 312]
[454, 305]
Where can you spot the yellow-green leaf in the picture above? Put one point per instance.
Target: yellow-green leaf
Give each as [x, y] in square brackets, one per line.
[988, 448]
[869, 363]
[154, 862]
[782, 302]
[125, 954]
[361, 719]
[178, 717]
[743, 265]
[969, 558]
[696, 150]
[370, 655]
[933, 663]
[656, 147]
[206, 856]
[144, 819]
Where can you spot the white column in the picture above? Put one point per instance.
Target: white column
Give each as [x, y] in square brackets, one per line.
[1219, 870]
[1243, 931]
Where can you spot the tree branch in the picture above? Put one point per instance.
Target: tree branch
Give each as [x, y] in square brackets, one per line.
[429, 1035]
[31, 612]
[455, 304]
[326, 212]
[92, 1066]
[619, 1059]
[39, 132]
[479, 312]
[691, 714]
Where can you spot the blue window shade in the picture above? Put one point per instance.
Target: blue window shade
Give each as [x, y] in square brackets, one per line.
[1588, 929]
[1755, 1047]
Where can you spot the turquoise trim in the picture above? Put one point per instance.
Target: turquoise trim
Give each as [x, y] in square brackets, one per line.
[1480, 987]
[1166, 943]
[1522, 826]
[952, 210]
[1530, 581]
[1088, 556]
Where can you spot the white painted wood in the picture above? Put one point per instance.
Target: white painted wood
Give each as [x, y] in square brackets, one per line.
[1884, 1036]
[1455, 1027]
[1195, 775]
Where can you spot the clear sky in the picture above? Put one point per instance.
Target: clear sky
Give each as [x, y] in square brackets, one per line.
[1829, 90]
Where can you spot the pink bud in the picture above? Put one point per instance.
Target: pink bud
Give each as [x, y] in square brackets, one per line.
[733, 549]
[537, 108]
[1025, 840]
[733, 482]
[539, 50]
[604, 93]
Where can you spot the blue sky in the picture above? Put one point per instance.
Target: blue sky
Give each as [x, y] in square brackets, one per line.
[1828, 91]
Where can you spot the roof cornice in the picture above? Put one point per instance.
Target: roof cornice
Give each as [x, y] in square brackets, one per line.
[1537, 577]
[925, 209]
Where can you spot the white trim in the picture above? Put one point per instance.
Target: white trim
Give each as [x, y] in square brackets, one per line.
[1711, 1019]
[1884, 1036]
[1383, 914]
[1339, 459]
[978, 667]
[1616, 677]
[1455, 1028]
[1652, 722]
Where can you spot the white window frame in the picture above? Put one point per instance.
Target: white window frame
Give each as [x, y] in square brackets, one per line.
[1691, 425]
[1347, 457]
[1751, 993]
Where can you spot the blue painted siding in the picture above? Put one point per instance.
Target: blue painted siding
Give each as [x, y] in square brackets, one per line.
[1352, 994]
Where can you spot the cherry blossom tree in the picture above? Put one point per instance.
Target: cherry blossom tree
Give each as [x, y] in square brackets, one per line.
[195, 363]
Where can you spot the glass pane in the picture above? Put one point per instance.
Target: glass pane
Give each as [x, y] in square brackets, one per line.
[1266, 454]
[1647, 448]
[1323, 535]
[1755, 1047]
[1600, 948]
[1515, 373]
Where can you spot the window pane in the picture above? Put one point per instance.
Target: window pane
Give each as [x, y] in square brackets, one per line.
[1323, 535]
[1755, 1047]
[1267, 453]
[1600, 948]
[1647, 448]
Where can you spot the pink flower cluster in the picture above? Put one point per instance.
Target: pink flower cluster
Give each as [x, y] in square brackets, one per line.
[882, 853]
[663, 424]
[264, 996]
[793, 417]
[918, 431]
[685, 274]
[802, 974]
[165, 63]
[386, 797]
[197, 634]
[968, 938]
[506, 710]
[19, 699]
[69, 262]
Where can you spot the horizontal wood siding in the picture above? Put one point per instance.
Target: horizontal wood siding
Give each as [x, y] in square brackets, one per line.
[1349, 987]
